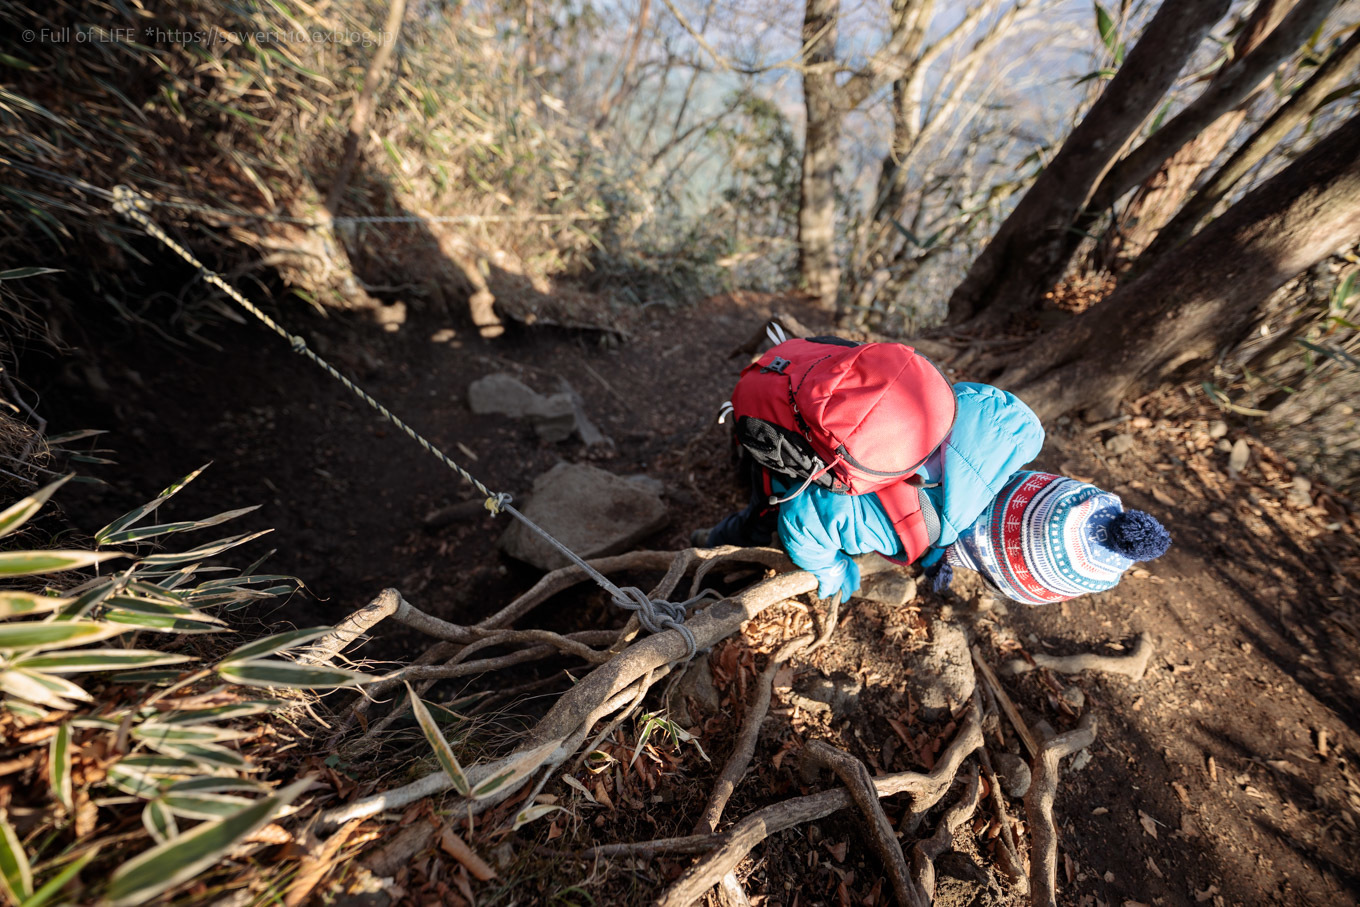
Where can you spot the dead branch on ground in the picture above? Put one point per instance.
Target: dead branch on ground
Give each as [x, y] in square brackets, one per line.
[1007, 851]
[1132, 665]
[738, 841]
[854, 774]
[1039, 807]
[1007, 706]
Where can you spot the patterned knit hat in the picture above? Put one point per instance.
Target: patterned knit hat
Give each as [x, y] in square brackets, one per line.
[1046, 538]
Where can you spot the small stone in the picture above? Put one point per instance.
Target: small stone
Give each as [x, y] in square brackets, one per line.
[1240, 456]
[1218, 517]
[1043, 730]
[1074, 698]
[1119, 444]
[500, 393]
[1300, 493]
[1013, 773]
[1081, 760]
[553, 418]
[1218, 429]
[892, 587]
[1224, 445]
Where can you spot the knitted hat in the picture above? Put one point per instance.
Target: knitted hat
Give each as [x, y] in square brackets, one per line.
[1046, 538]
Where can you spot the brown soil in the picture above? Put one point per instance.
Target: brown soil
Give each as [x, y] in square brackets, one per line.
[1229, 775]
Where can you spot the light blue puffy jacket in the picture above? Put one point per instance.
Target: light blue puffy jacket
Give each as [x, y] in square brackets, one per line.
[994, 435]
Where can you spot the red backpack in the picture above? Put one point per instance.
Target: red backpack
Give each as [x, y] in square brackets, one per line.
[853, 418]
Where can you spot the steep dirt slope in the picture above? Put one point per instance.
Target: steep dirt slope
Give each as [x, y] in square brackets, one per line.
[1229, 775]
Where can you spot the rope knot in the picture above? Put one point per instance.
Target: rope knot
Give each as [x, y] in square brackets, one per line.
[298, 344]
[656, 616]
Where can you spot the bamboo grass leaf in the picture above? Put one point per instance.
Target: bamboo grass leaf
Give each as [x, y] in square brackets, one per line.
[20, 604]
[147, 532]
[33, 635]
[271, 645]
[33, 563]
[523, 766]
[15, 873]
[59, 766]
[442, 751]
[53, 886]
[143, 511]
[271, 672]
[16, 515]
[183, 857]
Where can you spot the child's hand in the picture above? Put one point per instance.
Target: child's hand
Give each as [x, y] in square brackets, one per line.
[841, 576]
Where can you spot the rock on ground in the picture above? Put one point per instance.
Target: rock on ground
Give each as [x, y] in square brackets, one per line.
[1013, 773]
[591, 511]
[942, 670]
[555, 417]
[893, 587]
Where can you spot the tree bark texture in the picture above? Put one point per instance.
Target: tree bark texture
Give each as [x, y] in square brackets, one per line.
[1274, 130]
[1202, 295]
[1011, 273]
[1162, 194]
[817, 261]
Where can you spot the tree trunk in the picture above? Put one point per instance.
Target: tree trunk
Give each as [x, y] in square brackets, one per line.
[817, 261]
[1202, 295]
[1274, 130]
[1161, 195]
[909, 16]
[1012, 272]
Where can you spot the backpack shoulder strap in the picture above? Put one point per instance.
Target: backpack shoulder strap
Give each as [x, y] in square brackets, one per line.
[902, 503]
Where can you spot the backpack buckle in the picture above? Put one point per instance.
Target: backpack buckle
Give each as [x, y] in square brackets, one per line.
[777, 365]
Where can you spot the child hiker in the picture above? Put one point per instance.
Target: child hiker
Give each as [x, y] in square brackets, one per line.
[865, 447]
[1043, 538]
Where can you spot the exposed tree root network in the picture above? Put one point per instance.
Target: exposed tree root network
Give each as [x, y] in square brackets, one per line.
[625, 667]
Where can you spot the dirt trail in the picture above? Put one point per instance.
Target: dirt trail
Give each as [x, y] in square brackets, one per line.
[1229, 775]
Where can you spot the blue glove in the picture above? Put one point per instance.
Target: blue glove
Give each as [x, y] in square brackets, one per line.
[841, 576]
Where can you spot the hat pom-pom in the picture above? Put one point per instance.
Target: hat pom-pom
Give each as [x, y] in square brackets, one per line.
[1138, 536]
[942, 577]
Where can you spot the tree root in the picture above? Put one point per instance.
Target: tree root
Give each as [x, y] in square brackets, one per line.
[738, 841]
[1008, 853]
[735, 768]
[854, 774]
[570, 719]
[925, 852]
[773, 558]
[1039, 807]
[1132, 665]
[324, 650]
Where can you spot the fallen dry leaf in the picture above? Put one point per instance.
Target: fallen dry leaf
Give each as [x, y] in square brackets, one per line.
[1149, 824]
[457, 848]
[837, 851]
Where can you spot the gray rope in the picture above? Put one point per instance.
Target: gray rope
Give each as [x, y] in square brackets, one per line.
[654, 615]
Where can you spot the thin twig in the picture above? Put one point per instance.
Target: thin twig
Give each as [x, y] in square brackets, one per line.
[1007, 706]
